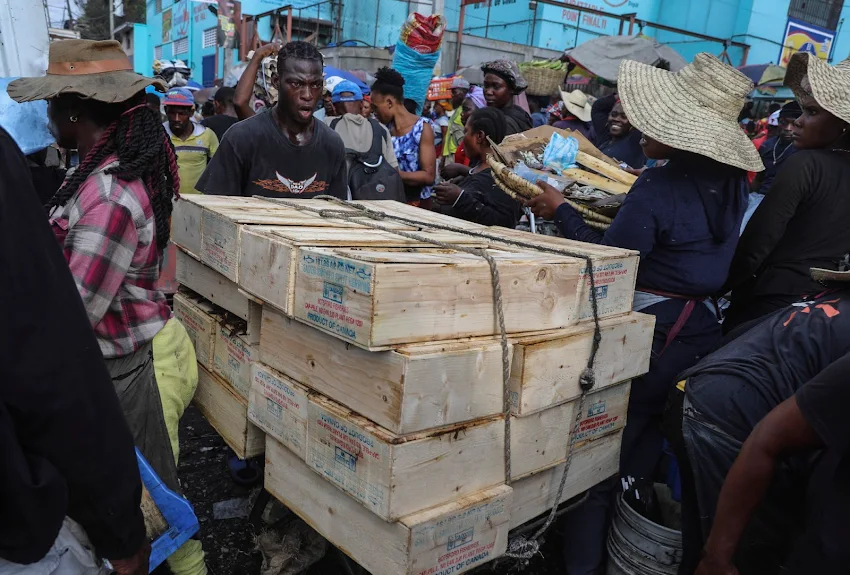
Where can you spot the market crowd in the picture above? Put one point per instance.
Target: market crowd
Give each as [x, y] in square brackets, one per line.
[740, 224]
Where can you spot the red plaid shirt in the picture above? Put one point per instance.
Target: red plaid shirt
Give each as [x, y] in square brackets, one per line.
[107, 233]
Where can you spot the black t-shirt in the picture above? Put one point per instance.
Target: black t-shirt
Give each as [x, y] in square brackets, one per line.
[484, 203]
[737, 385]
[802, 223]
[823, 401]
[256, 158]
[219, 124]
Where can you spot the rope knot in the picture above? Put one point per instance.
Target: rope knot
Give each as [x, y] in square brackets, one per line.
[587, 379]
[522, 548]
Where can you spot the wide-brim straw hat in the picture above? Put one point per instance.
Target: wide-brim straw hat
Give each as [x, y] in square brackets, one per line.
[830, 85]
[577, 104]
[695, 109]
[98, 70]
[829, 276]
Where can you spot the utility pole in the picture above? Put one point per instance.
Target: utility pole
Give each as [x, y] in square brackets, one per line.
[70, 15]
[111, 19]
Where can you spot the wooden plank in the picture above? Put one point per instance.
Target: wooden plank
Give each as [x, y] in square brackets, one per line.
[595, 180]
[591, 464]
[233, 358]
[227, 412]
[404, 390]
[200, 318]
[546, 368]
[268, 255]
[452, 538]
[394, 475]
[614, 269]
[212, 229]
[611, 172]
[217, 289]
[278, 406]
[539, 441]
[378, 299]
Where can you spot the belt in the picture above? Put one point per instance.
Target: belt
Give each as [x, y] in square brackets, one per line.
[684, 315]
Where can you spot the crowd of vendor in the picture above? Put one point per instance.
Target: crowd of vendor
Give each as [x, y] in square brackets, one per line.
[742, 263]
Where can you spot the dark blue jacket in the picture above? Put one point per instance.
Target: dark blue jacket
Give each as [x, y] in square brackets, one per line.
[683, 218]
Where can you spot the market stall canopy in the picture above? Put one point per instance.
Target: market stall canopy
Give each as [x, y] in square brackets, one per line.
[762, 74]
[602, 56]
[331, 71]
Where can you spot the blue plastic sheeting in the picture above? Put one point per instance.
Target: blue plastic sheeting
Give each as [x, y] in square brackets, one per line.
[331, 71]
[417, 70]
[26, 123]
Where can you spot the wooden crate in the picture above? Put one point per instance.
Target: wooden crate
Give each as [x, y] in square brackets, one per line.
[378, 299]
[404, 390]
[546, 367]
[591, 464]
[227, 412]
[200, 318]
[394, 475]
[615, 271]
[268, 255]
[233, 357]
[216, 288]
[539, 441]
[451, 538]
[278, 406]
[211, 229]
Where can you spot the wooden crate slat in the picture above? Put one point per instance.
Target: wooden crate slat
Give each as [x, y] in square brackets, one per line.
[227, 412]
[454, 537]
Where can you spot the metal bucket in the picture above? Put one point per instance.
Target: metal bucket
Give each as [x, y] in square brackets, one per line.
[637, 546]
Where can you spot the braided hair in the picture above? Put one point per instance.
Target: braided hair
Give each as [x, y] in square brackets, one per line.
[298, 50]
[389, 83]
[491, 121]
[133, 133]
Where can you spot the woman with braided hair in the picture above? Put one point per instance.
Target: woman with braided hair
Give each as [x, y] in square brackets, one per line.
[112, 219]
[474, 196]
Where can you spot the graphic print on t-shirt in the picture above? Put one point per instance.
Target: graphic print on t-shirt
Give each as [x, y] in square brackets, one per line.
[286, 186]
[827, 307]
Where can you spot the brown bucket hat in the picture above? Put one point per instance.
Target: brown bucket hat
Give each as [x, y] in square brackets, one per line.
[94, 69]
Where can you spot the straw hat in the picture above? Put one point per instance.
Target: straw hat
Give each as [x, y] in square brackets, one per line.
[695, 109]
[830, 85]
[99, 70]
[829, 276]
[577, 104]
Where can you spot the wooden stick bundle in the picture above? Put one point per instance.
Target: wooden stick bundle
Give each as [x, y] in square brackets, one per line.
[606, 169]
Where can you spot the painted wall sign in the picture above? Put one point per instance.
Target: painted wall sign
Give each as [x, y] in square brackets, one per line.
[166, 25]
[181, 19]
[803, 37]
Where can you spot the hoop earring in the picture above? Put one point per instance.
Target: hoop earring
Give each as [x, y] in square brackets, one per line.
[73, 119]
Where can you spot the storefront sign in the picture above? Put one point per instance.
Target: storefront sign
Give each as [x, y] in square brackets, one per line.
[803, 37]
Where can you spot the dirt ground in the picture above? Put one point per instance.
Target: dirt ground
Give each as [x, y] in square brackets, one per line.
[230, 543]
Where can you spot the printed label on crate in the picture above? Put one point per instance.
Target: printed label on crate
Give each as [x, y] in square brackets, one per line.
[233, 357]
[604, 412]
[327, 306]
[280, 409]
[200, 328]
[463, 557]
[614, 288]
[219, 243]
[458, 529]
[350, 457]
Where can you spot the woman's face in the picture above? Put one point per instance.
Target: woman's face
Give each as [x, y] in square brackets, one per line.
[472, 142]
[655, 150]
[497, 92]
[816, 128]
[466, 110]
[383, 106]
[618, 123]
[61, 126]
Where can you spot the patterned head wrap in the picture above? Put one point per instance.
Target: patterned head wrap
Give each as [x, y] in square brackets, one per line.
[507, 71]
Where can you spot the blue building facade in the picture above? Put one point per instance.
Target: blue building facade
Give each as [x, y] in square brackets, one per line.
[773, 29]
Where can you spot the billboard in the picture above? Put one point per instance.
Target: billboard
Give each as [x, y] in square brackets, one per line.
[803, 37]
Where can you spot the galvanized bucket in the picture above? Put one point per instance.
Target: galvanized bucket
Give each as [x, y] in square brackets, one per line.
[637, 546]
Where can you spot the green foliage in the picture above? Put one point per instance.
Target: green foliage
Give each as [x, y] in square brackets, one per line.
[93, 22]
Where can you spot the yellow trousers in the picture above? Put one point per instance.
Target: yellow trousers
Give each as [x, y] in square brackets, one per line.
[177, 377]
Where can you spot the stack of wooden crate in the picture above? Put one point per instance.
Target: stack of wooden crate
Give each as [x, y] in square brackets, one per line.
[374, 367]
